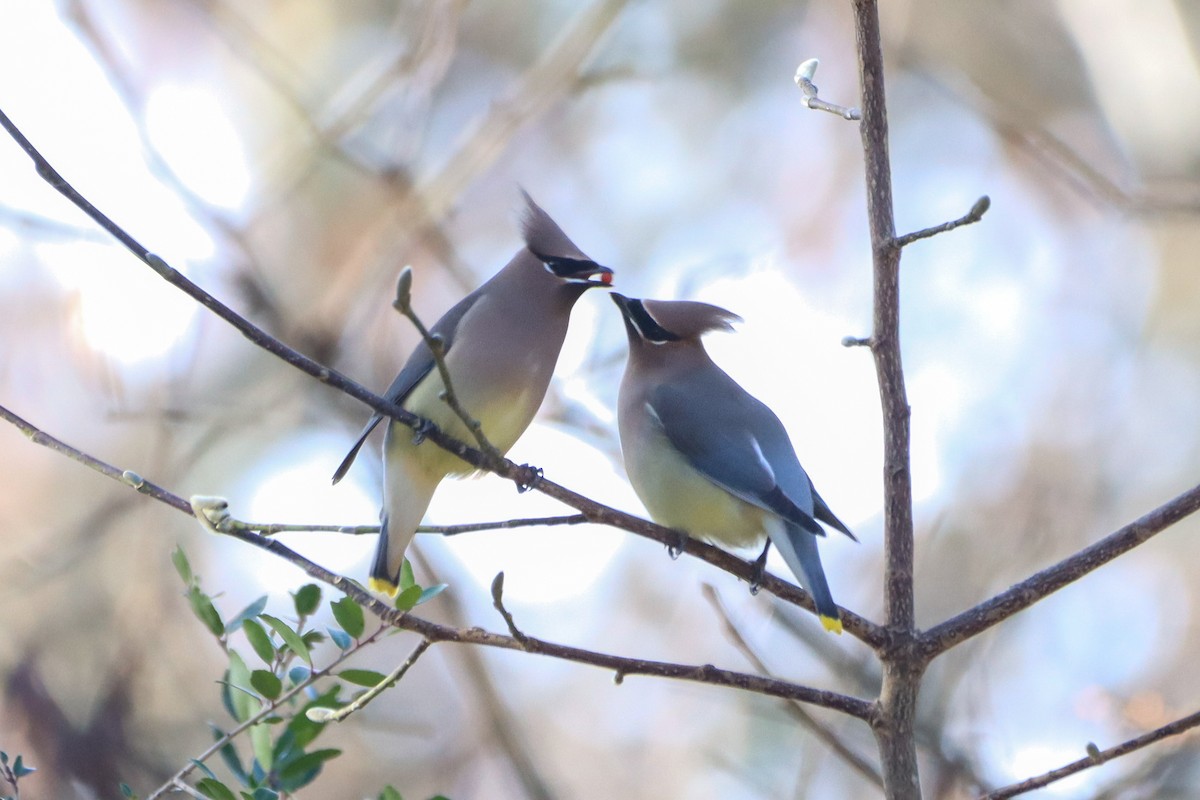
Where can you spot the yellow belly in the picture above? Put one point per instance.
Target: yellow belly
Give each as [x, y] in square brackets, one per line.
[678, 496]
[503, 423]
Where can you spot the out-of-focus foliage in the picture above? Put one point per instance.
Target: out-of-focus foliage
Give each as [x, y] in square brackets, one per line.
[292, 156]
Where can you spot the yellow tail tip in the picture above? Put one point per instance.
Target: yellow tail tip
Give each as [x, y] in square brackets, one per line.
[832, 624]
[384, 586]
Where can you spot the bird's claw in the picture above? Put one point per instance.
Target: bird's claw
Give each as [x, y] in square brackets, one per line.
[677, 549]
[759, 570]
[421, 430]
[533, 476]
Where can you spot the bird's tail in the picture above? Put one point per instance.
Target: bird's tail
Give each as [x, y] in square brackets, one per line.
[407, 490]
[799, 550]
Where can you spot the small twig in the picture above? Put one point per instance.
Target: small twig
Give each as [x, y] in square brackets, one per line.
[498, 602]
[803, 78]
[974, 215]
[267, 710]
[818, 728]
[272, 528]
[1095, 757]
[321, 714]
[855, 341]
[437, 346]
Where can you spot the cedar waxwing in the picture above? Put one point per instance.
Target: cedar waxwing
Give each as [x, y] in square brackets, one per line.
[704, 456]
[501, 343]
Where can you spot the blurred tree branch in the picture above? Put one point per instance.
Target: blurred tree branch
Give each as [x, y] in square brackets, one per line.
[1096, 757]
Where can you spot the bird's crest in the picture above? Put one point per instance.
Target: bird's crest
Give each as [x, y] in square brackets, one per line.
[689, 319]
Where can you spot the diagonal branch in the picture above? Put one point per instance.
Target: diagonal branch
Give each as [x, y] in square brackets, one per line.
[1096, 757]
[621, 665]
[974, 215]
[969, 623]
[522, 476]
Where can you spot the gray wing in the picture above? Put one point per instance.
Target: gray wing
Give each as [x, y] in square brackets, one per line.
[417, 367]
[825, 515]
[717, 429]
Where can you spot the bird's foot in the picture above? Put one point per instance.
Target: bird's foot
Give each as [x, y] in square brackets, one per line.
[533, 476]
[421, 430]
[677, 549]
[759, 570]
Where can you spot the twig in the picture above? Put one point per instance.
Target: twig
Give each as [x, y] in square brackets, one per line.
[272, 528]
[1016, 598]
[620, 665]
[321, 714]
[498, 603]
[1095, 758]
[437, 346]
[267, 710]
[818, 728]
[974, 215]
[803, 78]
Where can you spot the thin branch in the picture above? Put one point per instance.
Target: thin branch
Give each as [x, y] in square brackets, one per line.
[622, 666]
[1096, 757]
[523, 476]
[269, 708]
[272, 528]
[819, 729]
[974, 621]
[437, 346]
[321, 714]
[974, 215]
[803, 78]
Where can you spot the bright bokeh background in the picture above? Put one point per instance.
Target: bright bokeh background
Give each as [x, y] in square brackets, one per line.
[291, 156]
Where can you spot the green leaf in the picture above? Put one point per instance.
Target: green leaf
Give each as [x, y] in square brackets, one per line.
[313, 638]
[340, 638]
[290, 637]
[241, 701]
[215, 789]
[361, 677]
[205, 611]
[20, 770]
[407, 599]
[127, 792]
[180, 560]
[260, 741]
[200, 765]
[257, 636]
[262, 793]
[266, 683]
[229, 755]
[301, 771]
[389, 793]
[407, 581]
[307, 599]
[249, 612]
[430, 592]
[349, 615]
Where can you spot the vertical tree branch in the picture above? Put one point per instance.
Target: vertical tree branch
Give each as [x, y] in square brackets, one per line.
[894, 723]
